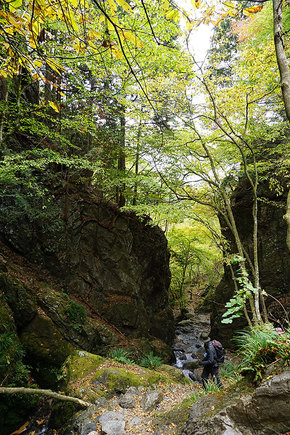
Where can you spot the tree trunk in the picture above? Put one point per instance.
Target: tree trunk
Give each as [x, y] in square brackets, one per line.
[4, 99]
[121, 159]
[286, 217]
[137, 162]
[281, 55]
[49, 393]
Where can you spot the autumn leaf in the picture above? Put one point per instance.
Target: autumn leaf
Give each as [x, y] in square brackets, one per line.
[54, 106]
[21, 429]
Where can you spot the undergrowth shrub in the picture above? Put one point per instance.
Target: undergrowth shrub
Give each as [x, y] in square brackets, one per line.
[151, 361]
[261, 346]
[121, 355]
[229, 372]
[76, 314]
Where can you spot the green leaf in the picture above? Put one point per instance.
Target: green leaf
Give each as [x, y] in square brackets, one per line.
[15, 4]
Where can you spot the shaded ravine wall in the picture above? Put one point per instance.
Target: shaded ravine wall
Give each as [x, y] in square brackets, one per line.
[111, 260]
[274, 256]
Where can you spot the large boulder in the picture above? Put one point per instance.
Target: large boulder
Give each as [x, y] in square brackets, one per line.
[262, 411]
[117, 263]
[21, 301]
[91, 377]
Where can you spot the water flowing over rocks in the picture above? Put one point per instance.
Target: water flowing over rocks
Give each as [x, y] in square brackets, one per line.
[187, 346]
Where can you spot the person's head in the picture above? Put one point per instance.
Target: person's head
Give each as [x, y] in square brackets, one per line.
[205, 338]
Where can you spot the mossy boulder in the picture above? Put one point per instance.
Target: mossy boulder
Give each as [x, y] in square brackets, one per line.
[174, 373]
[176, 417]
[90, 376]
[76, 326]
[80, 364]
[12, 368]
[44, 342]
[46, 349]
[19, 298]
[244, 409]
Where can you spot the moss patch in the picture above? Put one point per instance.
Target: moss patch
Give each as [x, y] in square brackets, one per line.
[178, 415]
[12, 369]
[175, 374]
[80, 364]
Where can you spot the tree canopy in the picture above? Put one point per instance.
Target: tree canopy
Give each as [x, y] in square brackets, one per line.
[113, 91]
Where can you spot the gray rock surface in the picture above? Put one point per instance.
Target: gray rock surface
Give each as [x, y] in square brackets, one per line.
[127, 401]
[112, 423]
[83, 423]
[151, 400]
[265, 411]
[109, 257]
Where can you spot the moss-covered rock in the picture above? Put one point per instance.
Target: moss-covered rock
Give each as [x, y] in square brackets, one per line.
[46, 349]
[75, 324]
[90, 376]
[113, 257]
[176, 417]
[80, 364]
[19, 298]
[243, 409]
[175, 374]
[12, 369]
[44, 342]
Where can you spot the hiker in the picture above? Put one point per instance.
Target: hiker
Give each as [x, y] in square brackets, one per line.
[210, 361]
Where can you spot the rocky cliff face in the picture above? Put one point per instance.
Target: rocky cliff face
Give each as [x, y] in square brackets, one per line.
[112, 262]
[274, 256]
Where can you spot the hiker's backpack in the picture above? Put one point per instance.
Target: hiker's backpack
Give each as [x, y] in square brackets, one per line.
[220, 352]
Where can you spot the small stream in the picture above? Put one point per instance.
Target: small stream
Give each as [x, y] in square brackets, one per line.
[187, 347]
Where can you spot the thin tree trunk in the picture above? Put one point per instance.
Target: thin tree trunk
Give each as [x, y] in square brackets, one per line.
[4, 98]
[281, 55]
[137, 162]
[286, 217]
[121, 160]
[41, 392]
[255, 309]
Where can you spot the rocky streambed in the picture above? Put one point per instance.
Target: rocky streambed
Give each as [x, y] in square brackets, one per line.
[187, 347]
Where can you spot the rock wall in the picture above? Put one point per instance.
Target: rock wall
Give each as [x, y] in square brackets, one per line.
[274, 256]
[113, 262]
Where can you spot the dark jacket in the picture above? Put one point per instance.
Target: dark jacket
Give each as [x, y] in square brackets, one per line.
[210, 358]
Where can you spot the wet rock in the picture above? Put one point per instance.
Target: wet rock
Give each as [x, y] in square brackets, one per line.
[151, 400]
[83, 423]
[191, 365]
